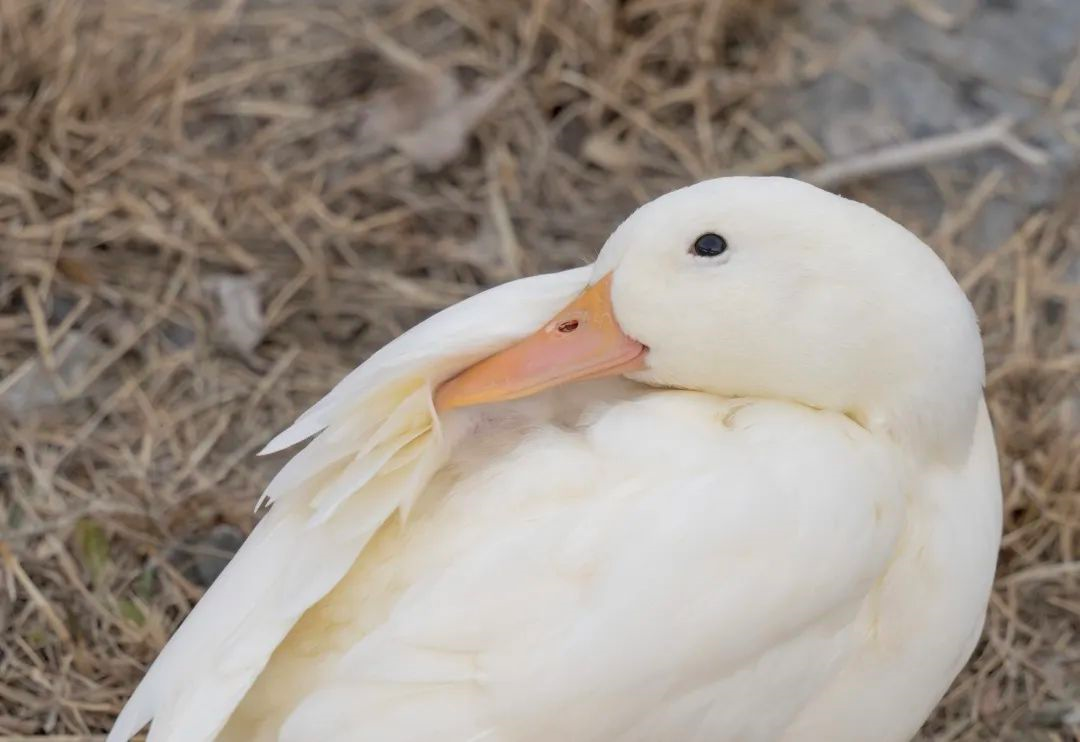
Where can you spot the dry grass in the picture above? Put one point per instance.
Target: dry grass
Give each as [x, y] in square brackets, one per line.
[163, 163]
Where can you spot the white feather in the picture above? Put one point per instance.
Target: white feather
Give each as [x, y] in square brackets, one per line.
[463, 332]
[298, 552]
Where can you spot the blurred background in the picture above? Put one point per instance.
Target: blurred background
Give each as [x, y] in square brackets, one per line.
[210, 211]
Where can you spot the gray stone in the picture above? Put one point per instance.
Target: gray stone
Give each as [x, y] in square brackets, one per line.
[902, 75]
[212, 552]
[31, 387]
[875, 10]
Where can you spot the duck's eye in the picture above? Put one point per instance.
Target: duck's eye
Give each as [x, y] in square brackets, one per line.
[709, 245]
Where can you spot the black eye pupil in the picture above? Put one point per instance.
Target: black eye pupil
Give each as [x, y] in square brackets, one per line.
[709, 245]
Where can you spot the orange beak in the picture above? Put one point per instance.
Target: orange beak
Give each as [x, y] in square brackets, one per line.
[583, 341]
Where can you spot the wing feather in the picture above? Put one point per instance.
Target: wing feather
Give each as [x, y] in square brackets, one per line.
[378, 445]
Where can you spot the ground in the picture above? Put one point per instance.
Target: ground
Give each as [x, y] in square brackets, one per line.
[210, 211]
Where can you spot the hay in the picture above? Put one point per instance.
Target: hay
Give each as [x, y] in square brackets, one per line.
[209, 212]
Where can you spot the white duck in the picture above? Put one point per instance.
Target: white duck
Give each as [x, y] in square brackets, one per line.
[776, 519]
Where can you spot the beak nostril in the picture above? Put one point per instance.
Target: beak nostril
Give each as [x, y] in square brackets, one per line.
[568, 326]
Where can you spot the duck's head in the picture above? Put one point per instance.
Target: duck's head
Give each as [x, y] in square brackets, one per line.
[765, 287]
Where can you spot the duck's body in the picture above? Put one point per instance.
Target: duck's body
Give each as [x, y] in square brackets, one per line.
[604, 561]
[805, 585]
